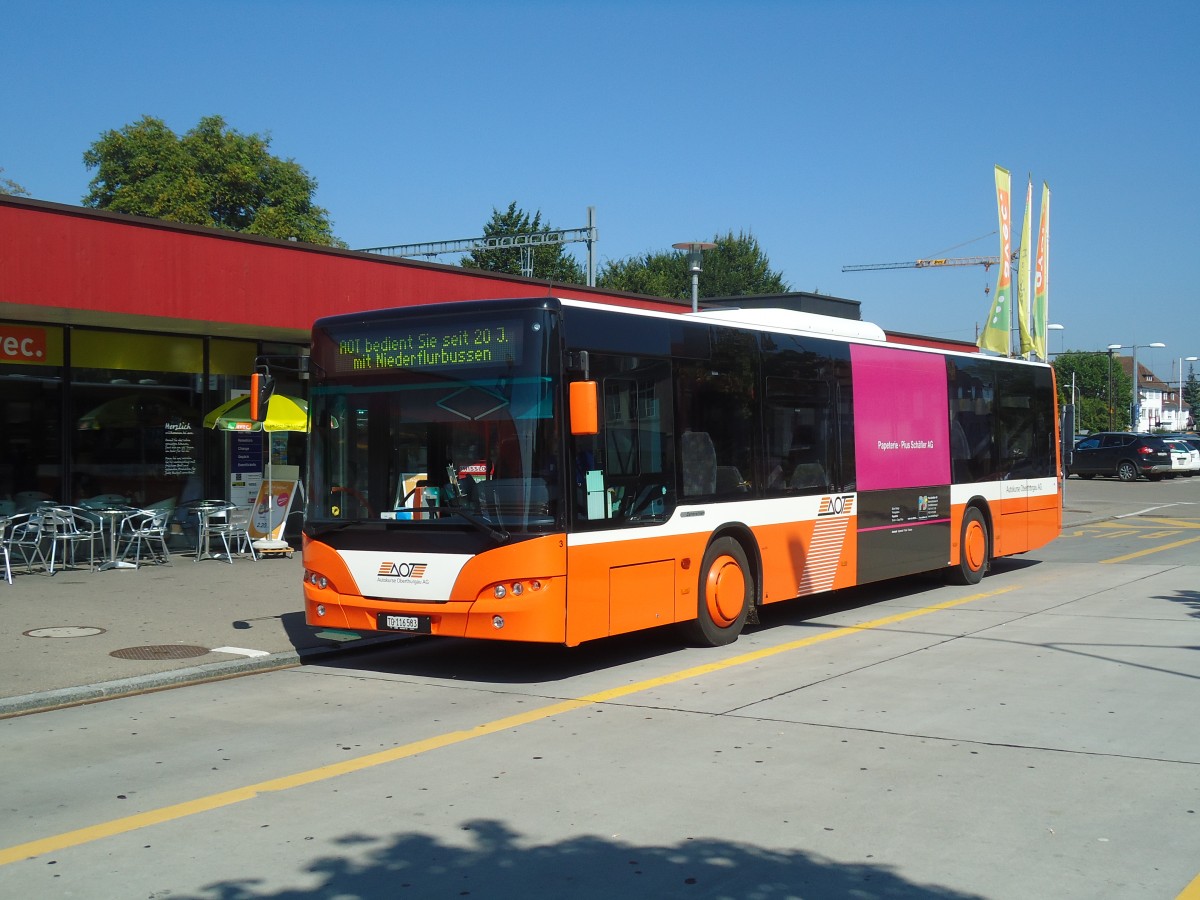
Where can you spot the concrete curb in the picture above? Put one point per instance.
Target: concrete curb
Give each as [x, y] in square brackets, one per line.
[44, 701]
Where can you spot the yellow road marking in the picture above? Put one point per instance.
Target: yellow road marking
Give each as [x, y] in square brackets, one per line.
[1149, 550]
[322, 773]
[1177, 523]
[1192, 891]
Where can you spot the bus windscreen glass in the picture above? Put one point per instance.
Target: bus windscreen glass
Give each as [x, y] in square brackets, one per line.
[434, 423]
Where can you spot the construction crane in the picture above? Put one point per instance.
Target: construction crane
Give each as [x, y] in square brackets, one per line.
[986, 261]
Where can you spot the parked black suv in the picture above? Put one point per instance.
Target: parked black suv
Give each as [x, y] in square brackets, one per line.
[1123, 454]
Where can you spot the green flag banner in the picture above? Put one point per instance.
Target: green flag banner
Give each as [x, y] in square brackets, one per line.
[1024, 276]
[1041, 278]
[995, 334]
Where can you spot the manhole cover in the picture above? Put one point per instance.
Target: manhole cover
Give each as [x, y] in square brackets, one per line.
[64, 631]
[160, 651]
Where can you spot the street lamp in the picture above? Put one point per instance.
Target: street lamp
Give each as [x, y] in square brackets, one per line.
[695, 249]
[1179, 397]
[1137, 386]
[1055, 326]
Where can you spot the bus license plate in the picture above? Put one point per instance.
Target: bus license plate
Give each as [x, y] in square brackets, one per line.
[411, 624]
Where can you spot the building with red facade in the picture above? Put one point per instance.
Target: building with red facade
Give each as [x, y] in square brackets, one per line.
[118, 334]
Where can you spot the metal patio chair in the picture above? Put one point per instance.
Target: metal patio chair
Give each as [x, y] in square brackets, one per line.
[5, 521]
[25, 536]
[77, 527]
[146, 529]
[232, 529]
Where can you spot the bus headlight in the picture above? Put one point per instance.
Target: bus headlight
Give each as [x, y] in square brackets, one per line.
[500, 592]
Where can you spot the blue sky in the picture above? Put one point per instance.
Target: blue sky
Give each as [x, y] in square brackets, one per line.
[835, 132]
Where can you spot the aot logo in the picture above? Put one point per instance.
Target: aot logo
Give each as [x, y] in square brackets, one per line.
[837, 505]
[22, 345]
[404, 570]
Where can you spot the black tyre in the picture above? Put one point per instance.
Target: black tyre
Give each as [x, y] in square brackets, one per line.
[973, 545]
[1127, 471]
[725, 592]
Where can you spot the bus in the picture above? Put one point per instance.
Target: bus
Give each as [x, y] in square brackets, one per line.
[558, 470]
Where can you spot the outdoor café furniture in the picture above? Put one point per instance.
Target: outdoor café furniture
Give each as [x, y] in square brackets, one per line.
[56, 529]
[206, 512]
[112, 518]
[75, 527]
[26, 538]
[145, 529]
[4, 523]
[233, 530]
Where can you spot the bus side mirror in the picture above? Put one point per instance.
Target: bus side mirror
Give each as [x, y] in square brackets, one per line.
[585, 407]
[261, 389]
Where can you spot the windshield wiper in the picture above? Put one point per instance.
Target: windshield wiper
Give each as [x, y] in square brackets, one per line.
[495, 532]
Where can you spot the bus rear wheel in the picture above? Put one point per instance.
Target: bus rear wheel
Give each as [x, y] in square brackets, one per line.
[972, 549]
[724, 596]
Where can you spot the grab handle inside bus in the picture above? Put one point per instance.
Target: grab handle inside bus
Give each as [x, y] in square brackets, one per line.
[585, 407]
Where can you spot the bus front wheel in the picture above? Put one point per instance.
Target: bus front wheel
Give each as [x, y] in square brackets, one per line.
[972, 549]
[725, 593]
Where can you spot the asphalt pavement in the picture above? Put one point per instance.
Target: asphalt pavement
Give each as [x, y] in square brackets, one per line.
[80, 635]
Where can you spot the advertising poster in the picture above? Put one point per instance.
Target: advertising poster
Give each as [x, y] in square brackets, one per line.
[274, 502]
[902, 450]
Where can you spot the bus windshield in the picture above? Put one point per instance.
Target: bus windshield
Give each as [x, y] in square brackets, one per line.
[430, 423]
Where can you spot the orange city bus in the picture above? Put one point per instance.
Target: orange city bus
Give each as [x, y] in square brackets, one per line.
[558, 470]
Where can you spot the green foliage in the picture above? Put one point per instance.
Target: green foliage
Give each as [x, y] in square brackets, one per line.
[1191, 391]
[735, 267]
[8, 186]
[213, 176]
[1096, 408]
[550, 261]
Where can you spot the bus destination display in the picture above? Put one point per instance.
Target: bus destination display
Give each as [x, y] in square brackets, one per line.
[430, 346]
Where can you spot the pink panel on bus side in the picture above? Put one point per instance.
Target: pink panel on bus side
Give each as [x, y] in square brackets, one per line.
[901, 418]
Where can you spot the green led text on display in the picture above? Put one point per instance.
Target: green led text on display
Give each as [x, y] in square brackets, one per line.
[451, 347]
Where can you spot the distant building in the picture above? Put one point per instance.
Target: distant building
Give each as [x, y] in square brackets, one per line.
[1160, 401]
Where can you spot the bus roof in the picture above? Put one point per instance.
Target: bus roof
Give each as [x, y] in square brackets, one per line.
[794, 320]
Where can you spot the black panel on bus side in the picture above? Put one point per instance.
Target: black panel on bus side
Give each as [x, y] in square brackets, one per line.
[633, 335]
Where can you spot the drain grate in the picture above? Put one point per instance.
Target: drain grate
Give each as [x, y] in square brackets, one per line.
[160, 651]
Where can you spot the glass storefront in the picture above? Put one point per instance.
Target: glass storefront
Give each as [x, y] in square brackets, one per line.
[91, 413]
[31, 400]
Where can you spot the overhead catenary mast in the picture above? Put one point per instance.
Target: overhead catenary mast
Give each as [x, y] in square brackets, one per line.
[526, 242]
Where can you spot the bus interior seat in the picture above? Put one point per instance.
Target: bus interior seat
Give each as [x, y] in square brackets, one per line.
[699, 463]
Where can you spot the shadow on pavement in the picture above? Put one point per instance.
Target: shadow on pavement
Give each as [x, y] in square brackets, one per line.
[497, 863]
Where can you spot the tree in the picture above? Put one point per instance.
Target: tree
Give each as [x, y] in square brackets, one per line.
[550, 261]
[8, 186]
[735, 267]
[1191, 393]
[213, 175]
[1096, 409]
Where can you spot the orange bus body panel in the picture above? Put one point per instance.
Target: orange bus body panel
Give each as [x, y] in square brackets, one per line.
[538, 614]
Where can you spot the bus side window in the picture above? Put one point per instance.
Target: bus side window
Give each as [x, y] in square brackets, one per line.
[714, 415]
[623, 475]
